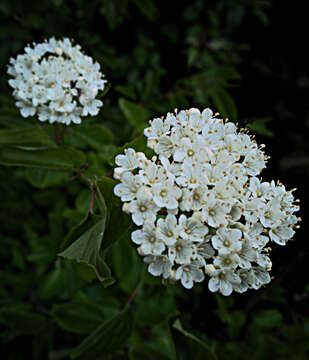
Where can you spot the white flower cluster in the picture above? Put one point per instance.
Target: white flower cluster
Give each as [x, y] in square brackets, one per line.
[57, 81]
[201, 207]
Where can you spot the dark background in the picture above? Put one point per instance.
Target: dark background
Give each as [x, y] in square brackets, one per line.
[246, 59]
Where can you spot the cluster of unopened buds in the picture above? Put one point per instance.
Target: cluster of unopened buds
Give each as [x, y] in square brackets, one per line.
[200, 205]
[56, 81]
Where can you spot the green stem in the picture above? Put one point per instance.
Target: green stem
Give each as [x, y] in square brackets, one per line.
[133, 295]
[58, 138]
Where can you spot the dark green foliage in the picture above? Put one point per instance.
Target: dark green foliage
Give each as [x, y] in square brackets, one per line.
[72, 283]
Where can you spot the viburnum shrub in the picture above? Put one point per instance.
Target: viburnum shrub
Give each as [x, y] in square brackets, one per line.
[200, 205]
[56, 81]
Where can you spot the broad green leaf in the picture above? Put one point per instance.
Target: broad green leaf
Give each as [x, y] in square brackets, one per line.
[260, 127]
[224, 103]
[14, 121]
[43, 179]
[126, 91]
[157, 345]
[192, 55]
[63, 159]
[114, 231]
[86, 249]
[52, 283]
[106, 338]
[157, 308]
[114, 12]
[124, 256]
[148, 8]
[208, 350]
[95, 136]
[60, 354]
[106, 187]
[237, 320]
[33, 135]
[268, 318]
[22, 321]
[42, 344]
[77, 317]
[134, 113]
[116, 216]
[78, 230]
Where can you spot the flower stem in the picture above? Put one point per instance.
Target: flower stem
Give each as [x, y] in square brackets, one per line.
[136, 290]
[110, 174]
[92, 201]
[58, 136]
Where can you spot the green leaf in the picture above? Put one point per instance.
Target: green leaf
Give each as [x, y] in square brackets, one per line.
[60, 354]
[95, 136]
[126, 91]
[78, 230]
[209, 351]
[268, 318]
[134, 113]
[224, 103]
[52, 283]
[260, 126]
[22, 321]
[192, 55]
[114, 12]
[157, 308]
[105, 186]
[148, 8]
[116, 216]
[105, 91]
[63, 159]
[43, 179]
[106, 338]
[77, 317]
[33, 135]
[124, 256]
[157, 345]
[86, 250]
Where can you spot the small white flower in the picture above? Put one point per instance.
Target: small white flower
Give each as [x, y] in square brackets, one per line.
[143, 208]
[215, 212]
[152, 173]
[272, 214]
[26, 109]
[130, 161]
[148, 240]
[166, 194]
[182, 252]
[192, 228]
[189, 273]
[281, 233]
[254, 162]
[168, 230]
[260, 189]
[157, 129]
[223, 280]
[257, 241]
[227, 260]
[194, 199]
[129, 187]
[227, 241]
[159, 265]
[192, 175]
[258, 276]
